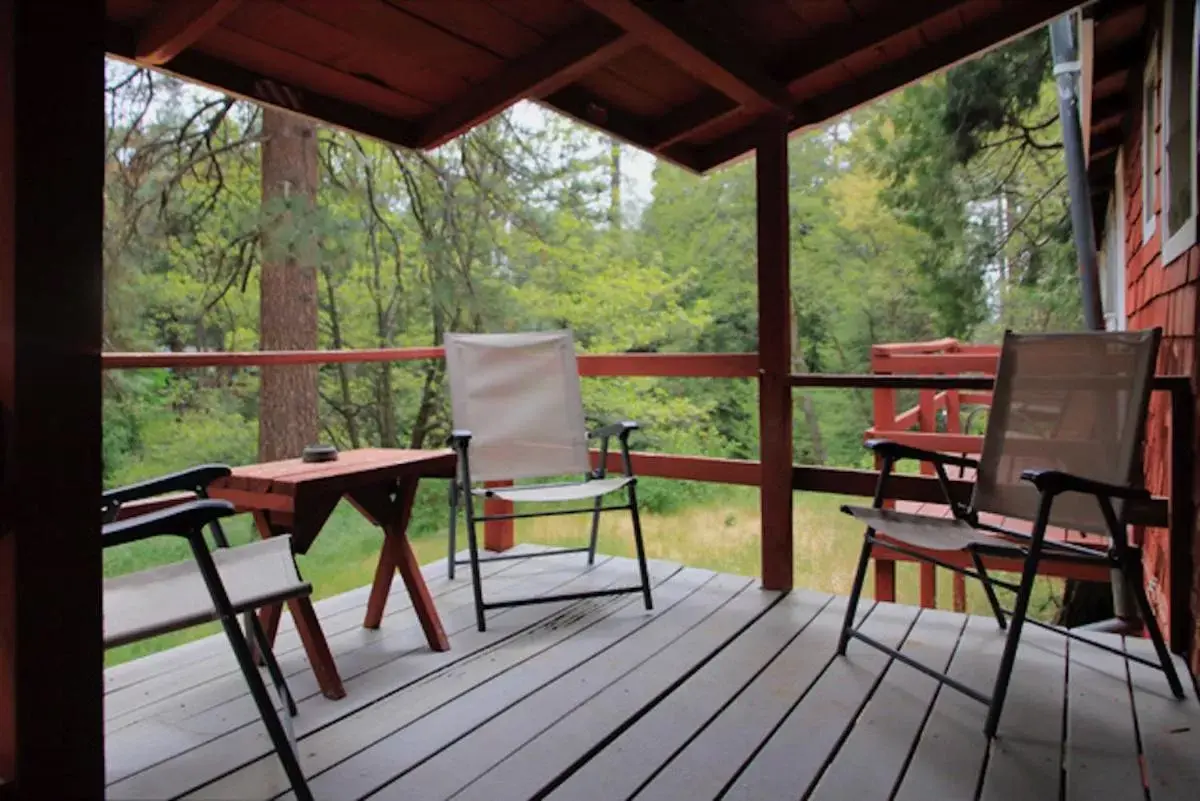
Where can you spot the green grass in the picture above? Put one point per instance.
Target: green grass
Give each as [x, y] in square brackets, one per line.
[719, 532]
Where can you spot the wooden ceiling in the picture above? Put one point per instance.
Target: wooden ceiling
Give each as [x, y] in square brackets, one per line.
[683, 79]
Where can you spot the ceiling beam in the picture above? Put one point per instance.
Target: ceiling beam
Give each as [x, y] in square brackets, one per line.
[595, 112]
[1106, 108]
[176, 25]
[829, 47]
[691, 118]
[1114, 60]
[721, 63]
[1011, 22]
[842, 41]
[544, 71]
[121, 42]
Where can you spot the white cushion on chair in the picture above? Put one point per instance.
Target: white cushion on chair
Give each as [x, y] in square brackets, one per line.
[550, 493]
[172, 597]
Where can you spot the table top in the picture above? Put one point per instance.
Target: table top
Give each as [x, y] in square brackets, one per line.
[351, 469]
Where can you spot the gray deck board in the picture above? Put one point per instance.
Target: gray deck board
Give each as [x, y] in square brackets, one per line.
[723, 691]
[874, 755]
[1102, 746]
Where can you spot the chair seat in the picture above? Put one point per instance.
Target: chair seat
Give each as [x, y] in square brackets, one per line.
[172, 597]
[931, 533]
[550, 493]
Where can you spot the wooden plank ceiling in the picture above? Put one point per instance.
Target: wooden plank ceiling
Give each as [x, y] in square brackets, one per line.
[685, 80]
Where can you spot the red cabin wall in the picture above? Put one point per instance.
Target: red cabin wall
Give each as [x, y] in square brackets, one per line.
[1163, 295]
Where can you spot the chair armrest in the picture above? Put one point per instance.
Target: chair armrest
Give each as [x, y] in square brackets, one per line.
[895, 450]
[185, 520]
[459, 439]
[190, 480]
[1056, 482]
[620, 429]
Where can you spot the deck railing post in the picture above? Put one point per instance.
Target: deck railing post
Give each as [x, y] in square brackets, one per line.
[884, 413]
[775, 354]
[498, 535]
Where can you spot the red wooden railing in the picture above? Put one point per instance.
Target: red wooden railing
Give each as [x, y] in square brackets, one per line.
[947, 375]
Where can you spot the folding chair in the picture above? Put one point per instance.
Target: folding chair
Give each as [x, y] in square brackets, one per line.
[518, 414]
[215, 586]
[1062, 448]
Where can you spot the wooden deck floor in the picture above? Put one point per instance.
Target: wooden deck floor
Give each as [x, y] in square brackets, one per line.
[724, 691]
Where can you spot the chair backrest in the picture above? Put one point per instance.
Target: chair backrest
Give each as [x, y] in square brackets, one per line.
[1072, 402]
[519, 396]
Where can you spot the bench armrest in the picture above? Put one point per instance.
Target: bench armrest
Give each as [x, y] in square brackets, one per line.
[191, 480]
[185, 520]
[894, 450]
[1056, 482]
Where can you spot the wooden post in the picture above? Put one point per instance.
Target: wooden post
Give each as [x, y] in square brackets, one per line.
[51, 201]
[884, 412]
[774, 354]
[1182, 623]
[954, 426]
[927, 423]
[498, 535]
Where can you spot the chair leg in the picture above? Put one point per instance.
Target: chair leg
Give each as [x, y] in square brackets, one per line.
[268, 656]
[453, 526]
[1004, 674]
[595, 533]
[988, 589]
[473, 548]
[266, 708]
[860, 578]
[1133, 574]
[639, 544]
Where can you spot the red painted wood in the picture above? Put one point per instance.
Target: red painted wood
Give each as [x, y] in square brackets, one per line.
[775, 356]
[498, 535]
[51, 297]
[683, 365]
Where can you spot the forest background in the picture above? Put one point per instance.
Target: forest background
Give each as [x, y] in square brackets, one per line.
[939, 211]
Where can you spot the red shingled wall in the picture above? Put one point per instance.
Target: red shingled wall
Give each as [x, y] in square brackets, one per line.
[1166, 296]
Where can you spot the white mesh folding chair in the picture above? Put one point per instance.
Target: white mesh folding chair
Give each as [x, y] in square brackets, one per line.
[1062, 448]
[518, 415]
[216, 585]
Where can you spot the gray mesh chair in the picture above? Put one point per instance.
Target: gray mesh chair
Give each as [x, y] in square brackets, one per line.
[518, 414]
[1062, 448]
[213, 586]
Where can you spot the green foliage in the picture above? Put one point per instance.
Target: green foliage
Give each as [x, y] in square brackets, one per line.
[937, 212]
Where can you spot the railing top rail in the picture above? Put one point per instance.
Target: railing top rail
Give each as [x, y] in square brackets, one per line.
[694, 365]
[1169, 383]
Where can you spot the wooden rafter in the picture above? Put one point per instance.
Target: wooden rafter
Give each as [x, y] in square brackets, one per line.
[225, 77]
[831, 47]
[843, 41]
[722, 63]
[971, 41]
[544, 71]
[176, 25]
[690, 118]
[1115, 60]
[582, 105]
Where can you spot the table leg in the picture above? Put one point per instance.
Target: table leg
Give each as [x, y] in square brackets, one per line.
[397, 555]
[319, 656]
[307, 626]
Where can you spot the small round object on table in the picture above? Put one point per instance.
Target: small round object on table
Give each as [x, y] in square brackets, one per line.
[319, 453]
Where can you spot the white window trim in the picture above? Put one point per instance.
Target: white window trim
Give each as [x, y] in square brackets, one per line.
[1183, 239]
[1149, 87]
[1118, 279]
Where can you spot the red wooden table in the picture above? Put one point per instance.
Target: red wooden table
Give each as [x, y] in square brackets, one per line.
[295, 497]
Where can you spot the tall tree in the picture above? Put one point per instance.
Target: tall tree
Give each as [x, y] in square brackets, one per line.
[287, 419]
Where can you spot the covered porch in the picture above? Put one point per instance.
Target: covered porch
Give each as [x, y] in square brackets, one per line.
[725, 690]
[730, 687]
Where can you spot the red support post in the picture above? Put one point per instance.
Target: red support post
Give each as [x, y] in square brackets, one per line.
[51, 297]
[498, 535]
[775, 353]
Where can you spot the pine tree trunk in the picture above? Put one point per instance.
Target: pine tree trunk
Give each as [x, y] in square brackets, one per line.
[287, 413]
[614, 183]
